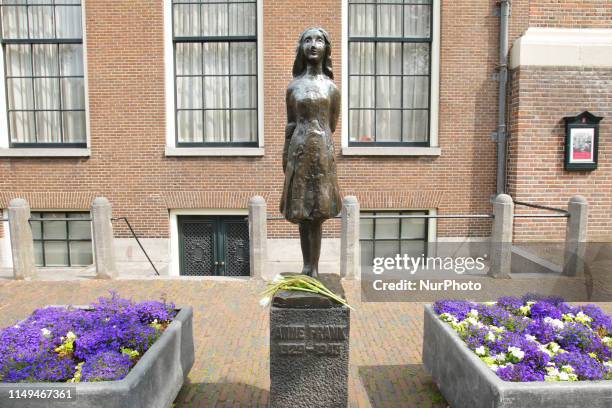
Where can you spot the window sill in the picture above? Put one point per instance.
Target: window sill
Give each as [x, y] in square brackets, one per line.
[214, 151]
[45, 152]
[390, 151]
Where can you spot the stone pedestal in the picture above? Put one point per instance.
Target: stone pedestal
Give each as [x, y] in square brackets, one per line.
[309, 350]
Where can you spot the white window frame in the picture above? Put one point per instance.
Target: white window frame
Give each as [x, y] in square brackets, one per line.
[6, 151]
[174, 267]
[171, 149]
[433, 149]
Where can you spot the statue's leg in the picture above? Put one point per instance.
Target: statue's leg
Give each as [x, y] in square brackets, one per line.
[305, 244]
[316, 232]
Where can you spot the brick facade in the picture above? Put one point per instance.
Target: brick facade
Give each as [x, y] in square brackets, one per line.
[125, 60]
[536, 172]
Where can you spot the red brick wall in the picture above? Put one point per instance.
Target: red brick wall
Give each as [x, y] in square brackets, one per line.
[570, 13]
[540, 98]
[127, 114]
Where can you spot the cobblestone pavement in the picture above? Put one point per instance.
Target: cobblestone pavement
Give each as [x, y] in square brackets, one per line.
[231, 339]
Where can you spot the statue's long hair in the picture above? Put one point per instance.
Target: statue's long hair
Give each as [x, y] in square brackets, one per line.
[299, 65]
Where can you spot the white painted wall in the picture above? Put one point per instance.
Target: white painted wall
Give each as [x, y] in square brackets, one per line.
[563, 47]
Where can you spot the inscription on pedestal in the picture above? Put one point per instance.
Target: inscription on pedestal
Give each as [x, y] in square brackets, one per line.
[321, 340]
[309, 353]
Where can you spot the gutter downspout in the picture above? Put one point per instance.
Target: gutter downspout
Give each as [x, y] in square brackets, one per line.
[501, 134]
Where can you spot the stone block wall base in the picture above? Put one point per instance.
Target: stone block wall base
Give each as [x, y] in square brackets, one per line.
[309, 357]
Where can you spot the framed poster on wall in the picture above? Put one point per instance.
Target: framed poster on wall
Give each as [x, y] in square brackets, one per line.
[581, 141]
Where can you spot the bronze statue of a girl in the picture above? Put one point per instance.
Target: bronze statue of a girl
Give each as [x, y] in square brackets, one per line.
[310, 192]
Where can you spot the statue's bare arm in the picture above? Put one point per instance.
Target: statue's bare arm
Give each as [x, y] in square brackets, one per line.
[334, 109]
[291, 124]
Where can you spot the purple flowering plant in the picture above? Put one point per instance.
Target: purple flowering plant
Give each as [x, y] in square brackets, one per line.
[534, 338]
[67, 344]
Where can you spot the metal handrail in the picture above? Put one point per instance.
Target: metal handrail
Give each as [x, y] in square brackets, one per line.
[137, 240]
[381, 216]
[59, 219]
[541, 215]
[542, 207]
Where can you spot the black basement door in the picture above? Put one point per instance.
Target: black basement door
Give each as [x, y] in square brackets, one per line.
[213, 245]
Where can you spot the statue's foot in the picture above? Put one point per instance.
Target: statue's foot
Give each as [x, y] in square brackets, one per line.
[314, 273]
[307, 270]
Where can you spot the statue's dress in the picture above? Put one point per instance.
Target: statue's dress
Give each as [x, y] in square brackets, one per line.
[310, 191]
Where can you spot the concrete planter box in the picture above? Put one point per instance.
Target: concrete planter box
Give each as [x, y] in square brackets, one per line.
[467, 382]
[153, 382]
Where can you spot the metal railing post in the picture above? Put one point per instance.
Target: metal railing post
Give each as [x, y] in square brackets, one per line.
[350, 264]
[501, 236]
[575, 236]
[258, 235]
[22, 244]
[103, 238]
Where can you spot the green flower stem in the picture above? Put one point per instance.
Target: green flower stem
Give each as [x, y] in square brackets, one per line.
[303, 283]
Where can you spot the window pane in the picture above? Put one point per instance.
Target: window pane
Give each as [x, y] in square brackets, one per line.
[41, 22]
[388, 126]
[18, 60]
[45, 60]
[74, 127]
[38, 254]
[244, 92]
[244, 125]
[389, 21]
[79, 229]
[189, 126]
[20, 93]
[366, 227]
[216, 58]
[389, 58]
[68, 20]
[413, 228]
[54, 229]
[189, 92]
[216, 92]
[80, 253]
[361, 92]
[361, 58]
[56, 253]
[389, 92]
[417, 21]
[71, 59]
[386, 249]
[361, 125]
[244, 58]
[188, 59]
[413, 248]
[48, 127]
[242, 19]
[14, 22]
[36, 227]
[416, 92]
[415, 126]
[216, 126]
[367, 253]
[22, 127]
[46, 93]
[187, 20]
[387, 228]
[361, 19]
[73, 93]
[416, 59]
[215, 20]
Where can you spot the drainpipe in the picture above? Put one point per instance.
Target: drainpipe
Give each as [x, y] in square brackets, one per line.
[501, 134]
